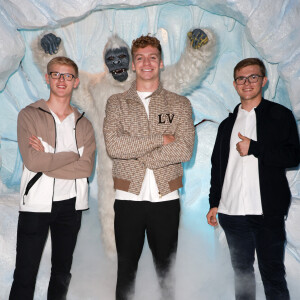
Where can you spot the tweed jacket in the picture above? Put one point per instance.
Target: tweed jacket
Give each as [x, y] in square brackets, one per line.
[135, 142]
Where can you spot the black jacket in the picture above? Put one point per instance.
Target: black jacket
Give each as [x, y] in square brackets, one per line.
[277, 148]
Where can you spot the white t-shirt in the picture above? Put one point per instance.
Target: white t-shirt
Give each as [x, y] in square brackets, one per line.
[65, 141]
[149, 190]
[241, 190]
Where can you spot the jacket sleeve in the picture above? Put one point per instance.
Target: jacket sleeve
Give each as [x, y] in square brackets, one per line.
[38, 161]
[285, 151]
[181, 149]
[121, 145]
[83, 167]
[215, 184]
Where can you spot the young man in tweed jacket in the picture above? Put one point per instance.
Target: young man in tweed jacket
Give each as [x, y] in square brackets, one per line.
[148, 132]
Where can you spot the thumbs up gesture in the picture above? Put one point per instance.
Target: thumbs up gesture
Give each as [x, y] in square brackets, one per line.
[242, 147]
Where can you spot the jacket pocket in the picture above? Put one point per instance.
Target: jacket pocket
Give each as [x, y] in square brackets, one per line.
[31, 183]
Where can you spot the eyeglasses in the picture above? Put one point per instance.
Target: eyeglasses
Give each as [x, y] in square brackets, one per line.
[57, 75]
[253, 78]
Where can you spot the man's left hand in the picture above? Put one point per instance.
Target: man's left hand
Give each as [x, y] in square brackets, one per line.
[242, 147]
[198, 38]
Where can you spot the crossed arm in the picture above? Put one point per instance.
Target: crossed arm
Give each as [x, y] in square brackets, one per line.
[80, 168]
[155, 150]
[63, 165]
[180, 149]
[38, 161]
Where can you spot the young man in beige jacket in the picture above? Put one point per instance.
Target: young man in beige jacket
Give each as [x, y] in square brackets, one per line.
[57, 145]
[148, 132]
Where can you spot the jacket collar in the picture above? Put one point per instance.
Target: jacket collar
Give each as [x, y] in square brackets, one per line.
[259, 107]
[41, 104]
[132, 92]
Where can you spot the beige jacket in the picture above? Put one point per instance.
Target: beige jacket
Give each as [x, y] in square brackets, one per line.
[36, 119]
[136, 143]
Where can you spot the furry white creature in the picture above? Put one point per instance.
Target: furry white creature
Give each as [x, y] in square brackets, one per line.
[95, 89]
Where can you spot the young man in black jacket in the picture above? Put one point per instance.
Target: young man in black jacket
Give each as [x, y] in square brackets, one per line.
[249, 189]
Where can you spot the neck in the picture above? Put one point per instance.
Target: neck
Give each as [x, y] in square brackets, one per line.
[60, 106]
[248, 105]
[147, 86]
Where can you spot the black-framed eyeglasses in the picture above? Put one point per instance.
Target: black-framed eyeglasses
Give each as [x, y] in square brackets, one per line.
[57, 75]
[253, 78]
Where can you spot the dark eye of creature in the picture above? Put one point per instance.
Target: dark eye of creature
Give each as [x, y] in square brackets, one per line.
[110, 58]
[122, 56]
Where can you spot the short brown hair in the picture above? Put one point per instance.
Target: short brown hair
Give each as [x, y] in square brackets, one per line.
[250, 62]
[143, 42]
[62, 60]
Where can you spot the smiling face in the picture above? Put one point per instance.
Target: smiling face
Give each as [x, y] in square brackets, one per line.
[61, 87]
[147, 64]
[250, 91]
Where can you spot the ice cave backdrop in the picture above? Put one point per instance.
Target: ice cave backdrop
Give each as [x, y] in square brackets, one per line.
[263, 28]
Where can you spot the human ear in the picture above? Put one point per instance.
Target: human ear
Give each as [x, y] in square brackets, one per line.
[264, 82]
[161, 64]
[133, 66]
[76, 83]
[47, 78]
[234, 84]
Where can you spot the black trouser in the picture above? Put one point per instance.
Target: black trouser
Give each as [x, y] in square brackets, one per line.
[266, 234]
[160, 221]
[64, 223]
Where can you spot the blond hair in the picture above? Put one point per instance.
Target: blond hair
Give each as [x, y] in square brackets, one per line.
[62, 60]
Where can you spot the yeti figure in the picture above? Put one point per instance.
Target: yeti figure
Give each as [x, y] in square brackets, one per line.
[95, 89]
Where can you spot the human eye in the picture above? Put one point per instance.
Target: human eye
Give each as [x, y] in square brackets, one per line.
[55, 75]
[240, 79]
[68, 76]
[253, 78]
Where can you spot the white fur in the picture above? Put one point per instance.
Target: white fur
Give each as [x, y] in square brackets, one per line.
[91, 97]
[115, 42]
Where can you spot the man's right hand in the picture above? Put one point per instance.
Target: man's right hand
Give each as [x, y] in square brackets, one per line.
[168, 138]
[50, 43]
[212, 216]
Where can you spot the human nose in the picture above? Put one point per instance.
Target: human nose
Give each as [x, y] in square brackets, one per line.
[247, 81]
[146, 61]
[61, 77]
